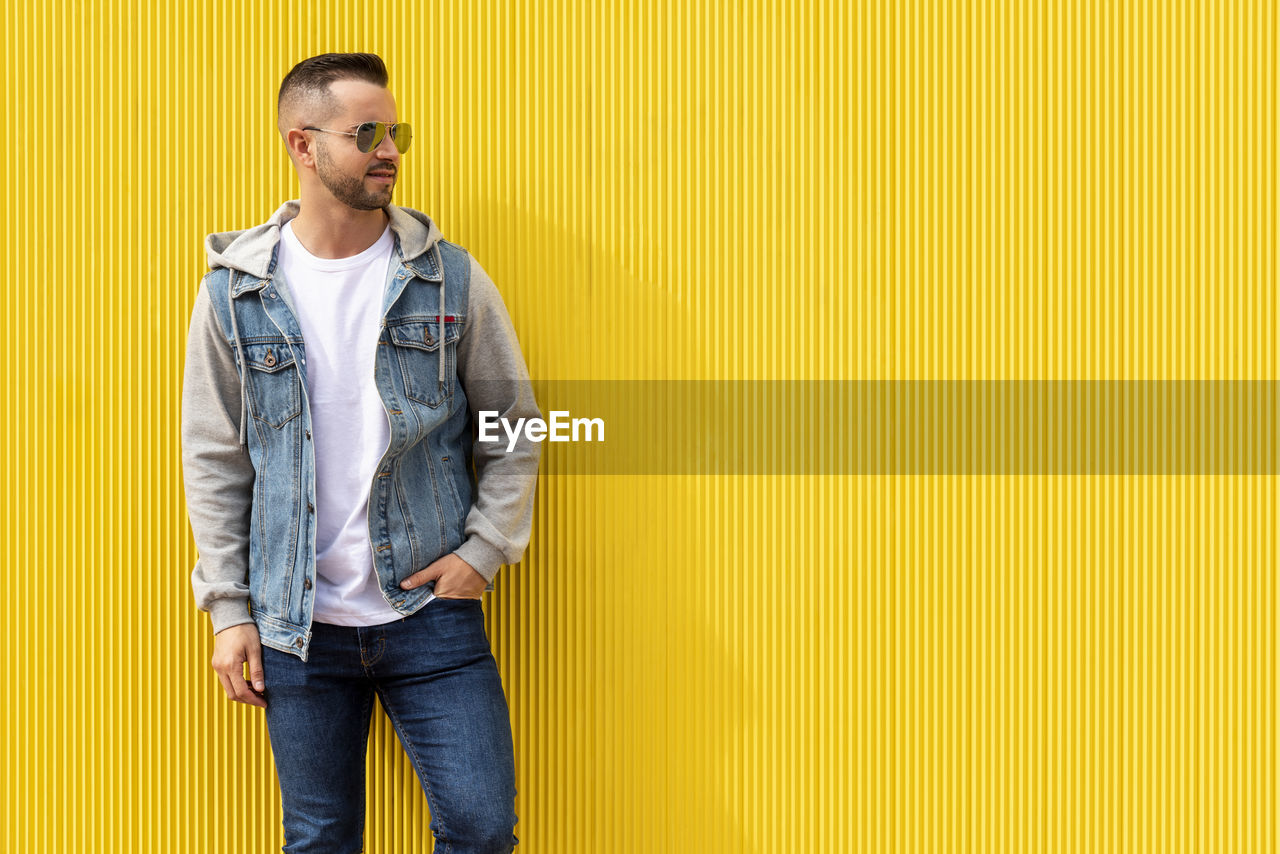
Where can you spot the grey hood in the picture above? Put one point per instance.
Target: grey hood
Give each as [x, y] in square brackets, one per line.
[253, 251]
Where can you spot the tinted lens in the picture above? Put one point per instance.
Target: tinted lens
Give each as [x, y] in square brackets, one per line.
[368, 135]
[401, 135]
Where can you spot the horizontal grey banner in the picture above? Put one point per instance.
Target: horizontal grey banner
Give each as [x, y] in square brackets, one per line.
[907, 427]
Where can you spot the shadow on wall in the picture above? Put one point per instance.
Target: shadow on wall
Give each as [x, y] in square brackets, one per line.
[626, 579]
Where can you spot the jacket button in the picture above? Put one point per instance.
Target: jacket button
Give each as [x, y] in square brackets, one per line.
[306, 583]
[298, 643]
[308, 434]
[311, 508]
[270, 359]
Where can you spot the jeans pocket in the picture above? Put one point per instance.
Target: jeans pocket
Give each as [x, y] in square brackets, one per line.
[457, 625]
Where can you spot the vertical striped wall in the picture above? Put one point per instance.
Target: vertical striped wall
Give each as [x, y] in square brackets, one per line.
[757, 190]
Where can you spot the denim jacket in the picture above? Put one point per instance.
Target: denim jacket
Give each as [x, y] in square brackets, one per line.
[447, 349]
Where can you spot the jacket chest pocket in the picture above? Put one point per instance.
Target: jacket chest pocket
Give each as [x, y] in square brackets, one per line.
[274, 381]
[418, 350]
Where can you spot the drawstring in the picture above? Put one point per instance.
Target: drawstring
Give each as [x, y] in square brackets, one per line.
[440, 317]
[244, 373]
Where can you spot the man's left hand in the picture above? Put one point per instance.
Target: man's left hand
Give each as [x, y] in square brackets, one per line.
[454, 577]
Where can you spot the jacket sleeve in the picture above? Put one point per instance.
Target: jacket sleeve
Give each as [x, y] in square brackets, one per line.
[217, 473]
[494, 376]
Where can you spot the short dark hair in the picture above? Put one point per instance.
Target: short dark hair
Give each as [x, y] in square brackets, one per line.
[307, 83]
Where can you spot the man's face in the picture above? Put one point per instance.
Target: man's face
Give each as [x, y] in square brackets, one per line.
[349, 174]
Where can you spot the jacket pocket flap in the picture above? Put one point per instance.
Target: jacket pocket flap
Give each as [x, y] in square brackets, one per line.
[424, 335]
[268, 357]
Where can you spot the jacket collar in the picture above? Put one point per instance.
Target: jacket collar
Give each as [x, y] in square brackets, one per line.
[253, 251]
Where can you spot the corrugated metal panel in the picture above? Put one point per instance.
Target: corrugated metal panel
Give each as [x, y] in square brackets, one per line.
[735, 191]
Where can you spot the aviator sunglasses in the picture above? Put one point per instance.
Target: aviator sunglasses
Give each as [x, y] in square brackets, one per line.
[369, 135]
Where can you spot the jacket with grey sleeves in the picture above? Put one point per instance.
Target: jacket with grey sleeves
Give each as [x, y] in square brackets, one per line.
[446, 351]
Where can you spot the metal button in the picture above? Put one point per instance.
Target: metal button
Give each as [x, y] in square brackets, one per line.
[430, 340]
[298, 643]
[272, 294]
[306, 583]
[269, 360]
[308, 434]
[311, 508]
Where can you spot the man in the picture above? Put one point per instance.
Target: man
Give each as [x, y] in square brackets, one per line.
[347, 522]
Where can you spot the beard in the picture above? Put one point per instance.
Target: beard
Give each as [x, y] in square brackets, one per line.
[348, 189]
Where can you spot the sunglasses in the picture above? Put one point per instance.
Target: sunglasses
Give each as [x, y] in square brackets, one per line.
[369, 135]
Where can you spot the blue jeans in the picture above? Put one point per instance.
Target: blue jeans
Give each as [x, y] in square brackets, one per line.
[435, 675]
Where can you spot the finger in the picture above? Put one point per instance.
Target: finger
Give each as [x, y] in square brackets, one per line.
[243, 692]
[226, 685]
[420, 577]
[255, 668]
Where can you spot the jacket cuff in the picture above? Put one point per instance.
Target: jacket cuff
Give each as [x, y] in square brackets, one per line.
[229, 611]
[484, 558]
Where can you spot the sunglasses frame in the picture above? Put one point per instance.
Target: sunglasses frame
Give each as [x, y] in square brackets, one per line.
[380, 129]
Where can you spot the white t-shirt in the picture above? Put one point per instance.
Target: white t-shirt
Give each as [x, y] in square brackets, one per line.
[338, 302]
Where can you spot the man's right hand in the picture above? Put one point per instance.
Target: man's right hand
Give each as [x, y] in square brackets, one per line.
[232, 647]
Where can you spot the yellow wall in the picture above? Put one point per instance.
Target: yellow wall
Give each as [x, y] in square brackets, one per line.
[765, 190]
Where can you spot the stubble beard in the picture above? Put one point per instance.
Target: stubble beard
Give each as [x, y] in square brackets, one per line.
[350, 190]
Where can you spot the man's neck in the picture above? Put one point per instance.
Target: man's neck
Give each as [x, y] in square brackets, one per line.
[337, 231]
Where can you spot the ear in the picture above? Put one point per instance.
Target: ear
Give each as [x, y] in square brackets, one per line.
[301, 147]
